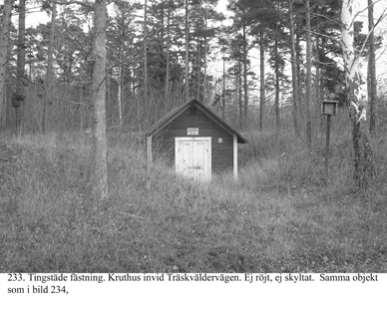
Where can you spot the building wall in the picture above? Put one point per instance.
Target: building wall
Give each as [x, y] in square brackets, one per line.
[163, 143]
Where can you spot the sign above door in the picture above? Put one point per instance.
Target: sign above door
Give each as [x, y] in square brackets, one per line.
[192, 131]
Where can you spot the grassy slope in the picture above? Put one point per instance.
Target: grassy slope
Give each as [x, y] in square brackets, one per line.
[279, 217]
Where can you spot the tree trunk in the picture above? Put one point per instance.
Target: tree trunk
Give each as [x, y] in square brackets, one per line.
[235, 96]
[167, 66]
[301, 109]
[49, 73]
[20, 67]
[321, 82]
[240, 105]
[99, 146]
[308, 100]
[224, 90]
[198, 71]
[120, 96]
[371, 69]
[120, 81]
[364, 162]
[186, 62]
[81, 110]
[262, 80]
[146, 86]
[245, 85]
[7, 89]
[204, 86]
[318, 84]
[295, 91]
[167, 76]
[120, 86]
[277, 85]
[4, 42]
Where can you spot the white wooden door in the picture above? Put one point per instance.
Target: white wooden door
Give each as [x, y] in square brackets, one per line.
[193, 157]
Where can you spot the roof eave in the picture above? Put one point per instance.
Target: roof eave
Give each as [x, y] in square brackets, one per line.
[158, 126]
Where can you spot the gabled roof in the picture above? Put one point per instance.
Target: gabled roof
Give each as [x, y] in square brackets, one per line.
[176, 112]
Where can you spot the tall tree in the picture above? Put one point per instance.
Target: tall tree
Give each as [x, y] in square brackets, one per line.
[224, 89]
[120, 79]
[241, 26]
[265, 19]
[99, 145]
[19, 98]
[364, 165]
[167, 52]
[5, 21]
[121, 49]
[240, 105]
[186, 59]
[280, 41]
[245, 71]
[371, 78]
[295, 89]
[262, 78]
[308, 100]
[49, 73]
[145, 43]
[259, 15]
[277, 80]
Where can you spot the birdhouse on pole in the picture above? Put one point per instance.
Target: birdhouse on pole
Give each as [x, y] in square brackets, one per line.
[329, 107]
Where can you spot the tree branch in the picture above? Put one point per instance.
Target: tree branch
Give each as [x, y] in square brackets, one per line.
[383, 15]
[86, 3]
[327, 18]
[361, 11]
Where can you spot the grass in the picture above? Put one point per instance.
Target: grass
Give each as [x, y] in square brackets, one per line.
[280, 216]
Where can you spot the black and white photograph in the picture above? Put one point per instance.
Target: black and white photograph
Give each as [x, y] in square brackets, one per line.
[193, 136]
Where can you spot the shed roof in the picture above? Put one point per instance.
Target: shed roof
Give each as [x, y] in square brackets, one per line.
[176, 112]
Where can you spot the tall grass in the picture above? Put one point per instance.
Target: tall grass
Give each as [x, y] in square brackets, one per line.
[280, 216]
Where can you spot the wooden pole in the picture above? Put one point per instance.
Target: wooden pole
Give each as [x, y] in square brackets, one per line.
[328, 135]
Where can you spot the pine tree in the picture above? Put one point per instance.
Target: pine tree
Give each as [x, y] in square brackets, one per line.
[308, 100]
[19, 98]
[99, 145]
[49, 72]
[5, 21]
[295, 89]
